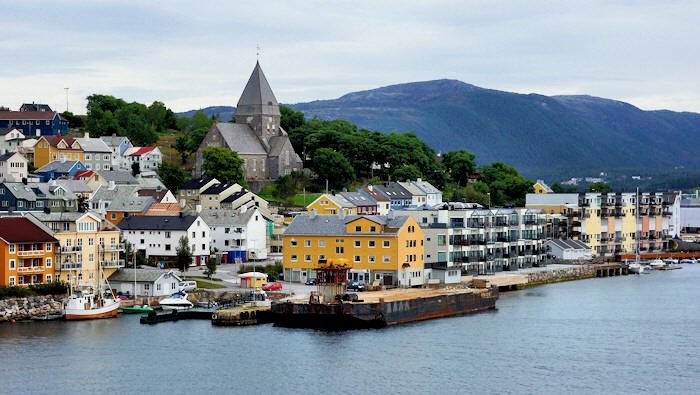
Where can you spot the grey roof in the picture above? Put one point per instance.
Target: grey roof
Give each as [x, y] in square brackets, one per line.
[359, 199]
[130, 203]
[32, 191]
[58, 166]
[414, 190]
[104, 193]
[339, 200]
[570, 244]
[257, 97]
[93, 145]
[75, 186]
[150, 183]
[8, 155]
[118, 176]
[235, 196]
[21, 191]
[157, 222]
[394, 190]
[426, 186]
[276, 144]
[196, 183]
[322, 225]
[58, 216]
[113, 141]
[226, 217]
[240, 138]
[141, 275]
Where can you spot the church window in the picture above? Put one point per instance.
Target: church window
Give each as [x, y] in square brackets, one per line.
[262, 164]
[254, 160]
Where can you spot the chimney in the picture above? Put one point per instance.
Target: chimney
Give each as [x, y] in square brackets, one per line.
[419, 179]
[87, 135]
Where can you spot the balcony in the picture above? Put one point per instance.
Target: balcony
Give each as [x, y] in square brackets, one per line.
[582, 203]
[30, 269]
[71, 266]
[667, 213]
[31, 253]
[501, 239]
[501, 223]
[530, 222]
[112, 247]
[113, 264]
[575, 223]
[70, 250]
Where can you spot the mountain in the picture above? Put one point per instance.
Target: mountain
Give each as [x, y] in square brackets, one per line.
[542, 136]
[225, 112]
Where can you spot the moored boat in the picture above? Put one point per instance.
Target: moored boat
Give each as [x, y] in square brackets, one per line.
[86, 305]
[657, 263]
[176, 301]
[136, 309]
[254, 311]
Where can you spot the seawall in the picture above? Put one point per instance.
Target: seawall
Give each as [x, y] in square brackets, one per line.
[558, 275]
[33, 306]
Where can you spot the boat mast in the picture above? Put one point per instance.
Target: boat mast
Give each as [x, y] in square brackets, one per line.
[636, 225]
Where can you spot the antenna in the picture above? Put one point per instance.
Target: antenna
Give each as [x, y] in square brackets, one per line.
[66, 98]
[257, 51]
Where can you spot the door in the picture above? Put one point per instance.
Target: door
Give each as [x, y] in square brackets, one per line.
[388, 279]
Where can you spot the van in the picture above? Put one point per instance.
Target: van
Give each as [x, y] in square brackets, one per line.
[187, 286]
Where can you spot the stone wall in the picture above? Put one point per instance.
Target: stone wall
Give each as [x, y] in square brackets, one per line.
[33, 306]
[569, 273]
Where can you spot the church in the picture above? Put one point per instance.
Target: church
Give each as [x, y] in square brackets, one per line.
[256, 135]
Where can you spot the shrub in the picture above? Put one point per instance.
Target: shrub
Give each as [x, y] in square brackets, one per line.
[58, 288]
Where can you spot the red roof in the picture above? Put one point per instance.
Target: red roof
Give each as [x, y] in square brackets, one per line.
[142, 151]
[22, 230]
[54, 140]
[27, 115]
[82, 173]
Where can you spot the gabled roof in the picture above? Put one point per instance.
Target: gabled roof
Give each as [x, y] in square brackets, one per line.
[358, 198]
[82, 173]
[138, 151]
[412, 189]
[34, 107]
[113, 141]
[157, 222]
[22, 230]
[27, 115]
[235, 196]
[218, 188]
[168, 209]
[103, 192]
[94, 145]
[157, 195]
[141, 275]
[227, 217]
[7, 155]
[570, 244]
[118, 176]
[5, 131]
[75, 186]
[257, 97]
[394, 191]
[62, 216]
[544, 186]
[374, 193]
[58, 166]
[426, 186]
[335, 225]
[131, 204]
[54, 140]
[196, 183]
[240, 138]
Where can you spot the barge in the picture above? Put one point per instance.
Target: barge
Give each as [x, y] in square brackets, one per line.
[331, 307]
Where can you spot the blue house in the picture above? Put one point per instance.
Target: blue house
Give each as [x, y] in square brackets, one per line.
[59, 168]
[399, 196]
[34, 123]
[32, 196]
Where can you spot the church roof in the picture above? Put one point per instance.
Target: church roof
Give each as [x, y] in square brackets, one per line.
[240, 138]
[257, 97]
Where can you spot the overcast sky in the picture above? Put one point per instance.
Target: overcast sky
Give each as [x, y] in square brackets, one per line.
[198, 54]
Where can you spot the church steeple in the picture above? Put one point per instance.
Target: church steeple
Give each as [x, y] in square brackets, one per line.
[258, 106]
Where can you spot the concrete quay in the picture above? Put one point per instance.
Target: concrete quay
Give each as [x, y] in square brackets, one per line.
[507, 281]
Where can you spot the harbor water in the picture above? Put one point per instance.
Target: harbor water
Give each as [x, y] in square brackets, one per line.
[627, 334]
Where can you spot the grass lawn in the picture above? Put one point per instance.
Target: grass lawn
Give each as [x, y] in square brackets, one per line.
[207, 285]
[205, 278]
[296, 200]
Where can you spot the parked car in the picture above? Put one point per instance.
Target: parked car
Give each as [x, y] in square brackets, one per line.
[272, 286]
[311, 282]
[187, 286]
[355, 286]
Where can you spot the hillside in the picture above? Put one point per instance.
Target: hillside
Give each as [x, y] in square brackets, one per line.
[540, 135]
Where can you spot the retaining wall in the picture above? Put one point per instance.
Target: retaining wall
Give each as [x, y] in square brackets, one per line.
[33, 306]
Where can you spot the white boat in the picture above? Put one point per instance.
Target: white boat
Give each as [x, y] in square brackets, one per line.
[636, 268]
[176, 301]
[657, 263]
[672, 261]
[85, 305]
[688, 261]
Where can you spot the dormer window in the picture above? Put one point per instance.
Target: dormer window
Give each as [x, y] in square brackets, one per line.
[358, 228]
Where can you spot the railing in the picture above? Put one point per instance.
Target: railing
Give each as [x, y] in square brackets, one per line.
[113, 264]
[71, 266]
[112, 247]
[30, 269]
[30, 253]
[67, 250]
[667, 213]
[530, 222]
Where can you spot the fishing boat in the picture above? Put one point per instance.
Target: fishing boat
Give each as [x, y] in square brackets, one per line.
[88, 305]
[176, 301]
[136, 309]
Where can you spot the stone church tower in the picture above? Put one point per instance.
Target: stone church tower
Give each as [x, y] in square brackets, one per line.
[256, 135]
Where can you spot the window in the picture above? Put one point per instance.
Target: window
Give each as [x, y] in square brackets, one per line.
[146, 287]
[49, 262]
[358, 244]
[204, 247]
[158, 287]
[371, 259]
[307, 243]
[372, 229]
[12, 248]
[194, 235]
[91, 241]
[80, 242]
[321, 257]
[48, 279]
[142, 241]
[307, 258]
[386, 259]
[204, 234]
[386, 244]
[323, 202]
[12, 264]
[321, 243]
[371, 244]
[167, 235]
[12, 281]
[114, 215]
[358, 229]
[293, 243]
[339, 250]
[356, 258]
[293, 257]
[167, 247]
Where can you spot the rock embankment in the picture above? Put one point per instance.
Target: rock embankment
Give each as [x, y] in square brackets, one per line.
[564, 274]
[26, 308]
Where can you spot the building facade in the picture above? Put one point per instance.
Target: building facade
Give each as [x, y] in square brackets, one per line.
[13, 167]
[34, 123]
[51, 148]
[27, 253]
[240, 236]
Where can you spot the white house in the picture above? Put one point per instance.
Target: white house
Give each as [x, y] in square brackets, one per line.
[13, 167]
[149, 282]
[148, 158]
[158, 236]
[10, 139]
[433, 195]
[240, 234]
[117, 144]
[569, 250]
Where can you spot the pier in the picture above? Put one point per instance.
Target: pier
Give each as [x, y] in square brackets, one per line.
[510, 281]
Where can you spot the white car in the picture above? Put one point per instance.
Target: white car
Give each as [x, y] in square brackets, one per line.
[187, 286]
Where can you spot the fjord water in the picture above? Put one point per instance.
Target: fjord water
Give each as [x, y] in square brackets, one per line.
[626, 334]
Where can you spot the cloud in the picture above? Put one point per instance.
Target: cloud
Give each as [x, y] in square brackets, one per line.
[196, 54]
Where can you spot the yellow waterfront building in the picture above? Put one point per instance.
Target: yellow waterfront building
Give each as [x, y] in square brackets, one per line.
[384, 249]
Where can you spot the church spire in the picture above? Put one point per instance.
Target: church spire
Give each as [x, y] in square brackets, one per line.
[257, 97]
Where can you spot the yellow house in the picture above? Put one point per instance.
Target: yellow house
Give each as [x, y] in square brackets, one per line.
[388, 249]
[541, 187]
[50, 148]
[329, 204]
[83, 242]
[253, 280]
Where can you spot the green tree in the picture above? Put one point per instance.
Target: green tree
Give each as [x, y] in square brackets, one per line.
[182, 147]
[211, 267]
[183, 255]
[470, 195]
[156, 116]
[290, 184]
[74, 121]
[406, 173]
[291, 119]
[505, 184]
[223, 164]
[600, 187]
[195, 138]
[558, 188]
[173, 177]
[460, 164]
[201, 120]
[183, 123]
[3, 108]
[332, 166]
[135, 126]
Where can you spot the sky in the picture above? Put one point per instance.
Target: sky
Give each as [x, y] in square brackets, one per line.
[191, 55]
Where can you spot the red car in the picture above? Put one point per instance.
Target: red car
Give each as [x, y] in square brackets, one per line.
[272, 287]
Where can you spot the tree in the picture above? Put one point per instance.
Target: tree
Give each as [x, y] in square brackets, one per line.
[460, 164]
[195, 138]
[558, 188]
[406, 173]
[128, 254]
[332, 166]
[223, 164]
[291, 119]
[290, 184]
[74, 121]
[181, 147]
[3, 108]
[183, 255]
[135, 169]
[505, 184]
[172, 176]
[470, 195]
[211, 268]
[156, 116]
[600, 187]
[201, 120]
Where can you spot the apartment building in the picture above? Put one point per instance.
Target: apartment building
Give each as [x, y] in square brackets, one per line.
[480, 240]
[387, 249]
[84, 243]
[240, 236]
[27, 252]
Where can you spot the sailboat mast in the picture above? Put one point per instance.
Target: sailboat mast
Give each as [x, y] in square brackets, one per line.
[636, 223]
